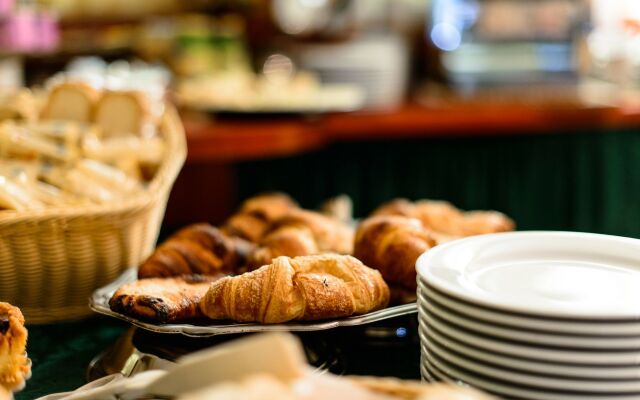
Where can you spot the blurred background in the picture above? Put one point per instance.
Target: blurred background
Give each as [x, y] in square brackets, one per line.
[529, 107]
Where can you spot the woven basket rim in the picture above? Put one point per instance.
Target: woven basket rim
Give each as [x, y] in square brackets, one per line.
[166, 175]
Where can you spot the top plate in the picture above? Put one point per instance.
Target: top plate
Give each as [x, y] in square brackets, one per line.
[99, 302]
[564, 275]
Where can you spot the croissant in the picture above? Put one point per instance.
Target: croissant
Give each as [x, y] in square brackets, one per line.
[196, 249]
[300, 233]
[392, 245]
[330, 234]
[446, 221]
[256, 215]
[291, 241]
[301, 288]
[14, 364]
[162, 299]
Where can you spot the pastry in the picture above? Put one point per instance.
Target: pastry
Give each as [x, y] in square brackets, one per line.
[300, 233]
[15, 367]
[256, 215]
[480, 222]
[302, 288]
[70, 101]
[339, 207]
[121, 113]
[196, 249]
[331, 235]
[291, 241]
[164, 300]
[446, 221]
[392, 244]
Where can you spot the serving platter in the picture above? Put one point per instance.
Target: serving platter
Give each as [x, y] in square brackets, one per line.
[99, 302]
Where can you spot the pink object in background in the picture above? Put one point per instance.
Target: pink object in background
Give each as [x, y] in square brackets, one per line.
[6, 6]
[25, 30]
[19, 31]
[49, 35]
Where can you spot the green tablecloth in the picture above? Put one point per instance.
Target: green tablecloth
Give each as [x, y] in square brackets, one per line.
[587, 181]
[62, 352]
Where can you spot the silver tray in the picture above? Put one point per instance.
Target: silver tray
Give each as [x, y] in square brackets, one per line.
[99, 302]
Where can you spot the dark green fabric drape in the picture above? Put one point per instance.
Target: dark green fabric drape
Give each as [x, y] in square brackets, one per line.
[573, 181]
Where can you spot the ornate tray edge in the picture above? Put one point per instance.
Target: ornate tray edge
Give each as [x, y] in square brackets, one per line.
[99, 302]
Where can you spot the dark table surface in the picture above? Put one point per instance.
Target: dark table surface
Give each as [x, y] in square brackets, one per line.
[62, 352]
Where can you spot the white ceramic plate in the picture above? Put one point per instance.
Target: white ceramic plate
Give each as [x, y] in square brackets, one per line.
[537, 381]
[99, 302]
[523, 322]
[548, 274]
[628, 358]
[526, 337]
[446, 373]
[534, 367]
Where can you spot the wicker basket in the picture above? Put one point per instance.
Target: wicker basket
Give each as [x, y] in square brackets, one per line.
[52, 260]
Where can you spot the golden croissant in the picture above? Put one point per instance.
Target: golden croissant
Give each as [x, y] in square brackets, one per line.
[291, 241]
[256, 215]
[445, 220]
[301, 233]
[330, 234]
[392, 245]
[301, 288]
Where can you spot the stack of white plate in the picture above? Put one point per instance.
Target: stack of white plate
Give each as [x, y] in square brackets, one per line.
[379, 65]
[533, 315]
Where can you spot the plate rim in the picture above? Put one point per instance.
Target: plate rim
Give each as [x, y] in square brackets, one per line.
[515, 334]
[488, 386]
[632, 373]
[536, 323]
[572, 383]
[454, 291]
[584, 357]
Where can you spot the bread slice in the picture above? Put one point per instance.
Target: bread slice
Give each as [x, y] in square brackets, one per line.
[122, 113]
[70, 101]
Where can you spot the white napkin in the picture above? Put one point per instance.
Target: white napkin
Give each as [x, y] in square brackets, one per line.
[111, 387]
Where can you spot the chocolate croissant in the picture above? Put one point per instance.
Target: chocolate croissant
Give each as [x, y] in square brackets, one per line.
[162, 300]
[302, 288]
[256, 215]
[196, 249]
[392, 244]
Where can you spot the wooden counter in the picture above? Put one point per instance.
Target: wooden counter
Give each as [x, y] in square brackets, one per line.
[229, 140]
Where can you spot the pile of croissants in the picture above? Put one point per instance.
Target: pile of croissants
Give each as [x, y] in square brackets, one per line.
[273, 262]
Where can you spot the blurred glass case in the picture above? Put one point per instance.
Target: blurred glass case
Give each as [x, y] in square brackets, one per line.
[496, 42]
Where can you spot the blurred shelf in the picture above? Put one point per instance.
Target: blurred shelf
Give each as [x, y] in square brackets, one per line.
[237, 140]
[229, 140]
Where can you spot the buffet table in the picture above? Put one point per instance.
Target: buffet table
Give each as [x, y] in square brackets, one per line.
[548, 167]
